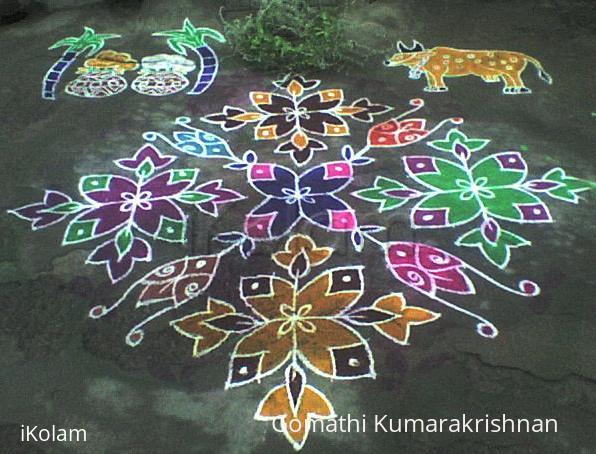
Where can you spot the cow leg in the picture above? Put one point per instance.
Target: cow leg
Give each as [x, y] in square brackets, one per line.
[514, 85]
[435, 82]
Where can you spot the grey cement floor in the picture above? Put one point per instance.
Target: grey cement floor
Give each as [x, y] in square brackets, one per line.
[59, 367]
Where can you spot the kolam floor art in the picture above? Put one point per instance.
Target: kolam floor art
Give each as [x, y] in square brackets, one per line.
[202, 257]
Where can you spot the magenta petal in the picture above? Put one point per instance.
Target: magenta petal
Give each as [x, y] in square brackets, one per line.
[434, 259]
[401, 253]
[453, 280]
[149, 220]
[415, 277]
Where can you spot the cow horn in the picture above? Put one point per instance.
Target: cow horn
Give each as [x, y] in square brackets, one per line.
[417, 47]
[401, 47]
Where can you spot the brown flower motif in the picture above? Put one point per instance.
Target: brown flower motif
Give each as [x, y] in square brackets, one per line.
[397, 328]
[298, 115]
[300, 254]
[305, 324]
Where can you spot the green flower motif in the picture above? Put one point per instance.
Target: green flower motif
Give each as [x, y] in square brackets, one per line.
[454, 137]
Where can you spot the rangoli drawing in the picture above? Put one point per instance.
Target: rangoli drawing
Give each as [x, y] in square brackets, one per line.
[297, 320]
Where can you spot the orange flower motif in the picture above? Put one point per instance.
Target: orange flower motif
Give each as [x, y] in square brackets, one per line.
[295, 404]
[300, 254]
[211, 328]
[306, 324]
[398, 327]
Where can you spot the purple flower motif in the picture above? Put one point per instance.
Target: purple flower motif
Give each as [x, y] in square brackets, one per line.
[290, 198]
[147, 153]
[41, 214]
[119, 267]
[117, 201]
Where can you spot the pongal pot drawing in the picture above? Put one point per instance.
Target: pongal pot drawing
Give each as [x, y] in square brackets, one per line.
[442, 62]
[101, 76]
[163, 75]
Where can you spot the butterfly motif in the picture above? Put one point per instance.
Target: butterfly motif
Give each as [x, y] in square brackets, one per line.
[290, 197]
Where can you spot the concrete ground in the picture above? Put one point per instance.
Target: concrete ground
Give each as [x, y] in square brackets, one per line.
[60, 367]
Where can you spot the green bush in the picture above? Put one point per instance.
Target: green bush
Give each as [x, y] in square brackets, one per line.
[289, 36]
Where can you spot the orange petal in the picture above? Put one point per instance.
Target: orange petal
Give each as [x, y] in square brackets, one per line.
[266, 294]
[206, 338]
[336, 130]
[266, 132]
[260, 97]
[391, 303]
[265, 340]
[295, 88]
[332, 94]
[247, 116]
[295, 425]
[300, 140]
[319, 255]
[316, 347]
[332, 292]
[398, 329]
[349, 110]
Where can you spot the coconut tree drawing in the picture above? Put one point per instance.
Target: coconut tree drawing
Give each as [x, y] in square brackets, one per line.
[89, 40]
[194, 38]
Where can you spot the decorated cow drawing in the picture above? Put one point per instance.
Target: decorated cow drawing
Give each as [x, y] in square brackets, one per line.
[441, 62]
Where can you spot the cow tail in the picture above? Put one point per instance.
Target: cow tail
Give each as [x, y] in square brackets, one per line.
[542, 74]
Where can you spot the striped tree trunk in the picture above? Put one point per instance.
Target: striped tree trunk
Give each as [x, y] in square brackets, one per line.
[52, 77]
[208, 71]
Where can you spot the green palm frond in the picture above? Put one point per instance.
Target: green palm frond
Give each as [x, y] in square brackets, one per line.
[88, 40]
[189, 36]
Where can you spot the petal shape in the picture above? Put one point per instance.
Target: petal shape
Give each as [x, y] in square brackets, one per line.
[271, 179]
[120, 267]
[327, 178]
[435, 173]
[273, 218]
[334, 350]
[398, 329]
[295, 404]
[266, 294]
[193, 326]
[106, 188]
[170, 183]
[501, 169]
[150, 220]
[330, 212]
[259, 354]
[271, 103]
[332, 292]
